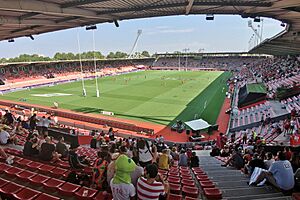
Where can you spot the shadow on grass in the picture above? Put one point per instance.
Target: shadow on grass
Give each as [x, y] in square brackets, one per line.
[212, 96]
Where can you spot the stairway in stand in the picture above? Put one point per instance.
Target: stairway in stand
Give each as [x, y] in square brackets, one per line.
[233, 183]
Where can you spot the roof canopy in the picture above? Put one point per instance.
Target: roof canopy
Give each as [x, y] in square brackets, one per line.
[29, 17]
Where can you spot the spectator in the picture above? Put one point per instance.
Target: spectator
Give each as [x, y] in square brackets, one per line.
[136, 174]
[33, 122]
[255, 162]
[164, 160]
[62, 148]
[288, 153]
[5, 137]
[153, 185]
[9, 159]
[100, 171]
[236, 160]
[279, 175]
[47, 152]
[31, 146]
[8, 117]
[144, 152]
[75, 161]
[121, 186]
[111, 167]
[269, 160]
[183, 159]
[194, 160]
[45, 125]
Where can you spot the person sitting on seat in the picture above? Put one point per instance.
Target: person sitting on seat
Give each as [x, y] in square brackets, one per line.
[236, 160]
[75, 161]
[31, 146]
[6, 137]
[47, 152]
[194, 160]
[280, 174]
[62, 148]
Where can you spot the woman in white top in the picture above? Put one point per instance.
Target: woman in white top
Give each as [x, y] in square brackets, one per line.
[144, 152]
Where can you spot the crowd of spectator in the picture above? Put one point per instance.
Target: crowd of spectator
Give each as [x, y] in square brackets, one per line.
[126, 167]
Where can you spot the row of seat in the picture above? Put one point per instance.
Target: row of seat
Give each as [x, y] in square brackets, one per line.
[13, 190]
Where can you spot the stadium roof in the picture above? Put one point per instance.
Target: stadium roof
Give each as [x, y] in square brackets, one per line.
[30, 17]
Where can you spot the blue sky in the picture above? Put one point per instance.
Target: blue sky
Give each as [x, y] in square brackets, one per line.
[162, 34]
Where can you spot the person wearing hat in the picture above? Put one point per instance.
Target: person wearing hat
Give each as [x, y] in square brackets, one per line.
[121, 186]
[5, 137]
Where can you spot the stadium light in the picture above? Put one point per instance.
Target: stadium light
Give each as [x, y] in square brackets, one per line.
[91, 27]
[282, 24]
[210, 17]
[11, 40]
[116, 23]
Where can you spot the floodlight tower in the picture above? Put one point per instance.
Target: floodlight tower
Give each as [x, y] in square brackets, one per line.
[186, 50]
[256, 32]
[139, 33]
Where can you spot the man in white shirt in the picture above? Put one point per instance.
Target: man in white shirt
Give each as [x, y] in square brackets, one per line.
[5, 137]
[280, 174]
[46, 123]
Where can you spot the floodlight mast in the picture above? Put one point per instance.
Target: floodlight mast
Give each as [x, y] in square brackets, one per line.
[139, 33]
[259, 36]
[80, 62]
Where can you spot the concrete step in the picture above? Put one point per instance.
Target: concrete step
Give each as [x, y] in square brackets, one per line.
[248, 191]
[228, 178]
[232, 184]
[258, 196]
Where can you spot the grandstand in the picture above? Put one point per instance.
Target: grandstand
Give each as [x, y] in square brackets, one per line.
[58, 140]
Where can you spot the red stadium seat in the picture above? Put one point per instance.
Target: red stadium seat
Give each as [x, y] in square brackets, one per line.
[64, 164]
[68, 189]
[53, 184]
[185, 176]
[38, 179]
[184, 168]
[4, 167]
[202, 178]
[175, 175]
[3, 182]
[25, 175]
[175, 197]
[163, 172]
[190, 191]
[33, 165]
[10, 189]
[26, 194]
[23, 162]
[58, 172]
[207, 184]
[199, 173]
[102, 196]
[175, 188]
[212, 193]
[191, 198]
[85, 193]
[173, 180]
[44, 196]
[13, 171]
[46, 169]
[186, 182]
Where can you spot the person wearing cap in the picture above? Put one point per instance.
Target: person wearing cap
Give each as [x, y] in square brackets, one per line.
[121, 186]
[153, 185]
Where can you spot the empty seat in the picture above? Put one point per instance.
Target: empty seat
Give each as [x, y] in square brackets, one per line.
[45, 169]
[85, 193]
[23, 162]
[191, 198]
[10, 189]
[175, 188]
[202, 178]
[44, 196]
[68, 189]
[58, 172]
[53, 184]
[13, 171]
[185, 176]
[3, 182]
[190, 191]
[26, 194]
[175, 197]
[25, 175]
[212, 193]
[33, 165]
[174, 180]
[4, 167]
[207, 184]
[188, 182]
[101, 196]
[39, 179]
[170, 174]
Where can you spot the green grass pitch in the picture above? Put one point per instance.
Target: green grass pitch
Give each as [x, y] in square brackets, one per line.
[154, 96]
